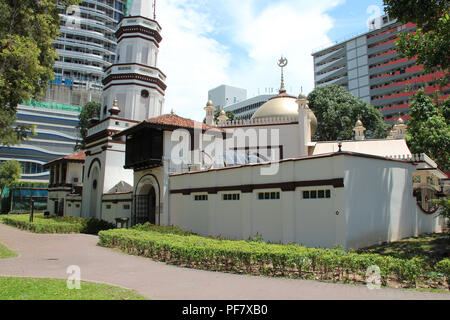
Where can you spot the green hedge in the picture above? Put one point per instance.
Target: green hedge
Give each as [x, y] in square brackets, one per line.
[42, 224]
[259, 258]
[162, 229]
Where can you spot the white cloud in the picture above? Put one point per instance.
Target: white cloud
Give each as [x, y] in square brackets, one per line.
[256, 36]
[193, 61]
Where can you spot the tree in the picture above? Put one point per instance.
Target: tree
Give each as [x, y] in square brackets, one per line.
[430, 43]
[444, 205]
[27, 28]
[337, 111]
[10, 173]
[428, 130]
[230, 114]
[90, 111]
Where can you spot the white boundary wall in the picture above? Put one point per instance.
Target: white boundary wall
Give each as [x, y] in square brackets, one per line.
[376, 204]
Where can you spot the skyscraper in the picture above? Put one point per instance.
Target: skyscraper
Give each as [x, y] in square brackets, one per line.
[371, 69]
[86, 48]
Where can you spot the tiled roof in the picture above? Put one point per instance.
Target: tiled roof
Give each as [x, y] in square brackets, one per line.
[77, 156]
[176, 121]
[80, 155]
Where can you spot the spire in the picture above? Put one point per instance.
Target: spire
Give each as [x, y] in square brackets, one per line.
[114, 111]
[142, 8]
[399, 129]
[210, 113]
[282, 63]
[359, 130]
[222, 116]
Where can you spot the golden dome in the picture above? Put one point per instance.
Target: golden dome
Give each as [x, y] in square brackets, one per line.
[210, 104]
[284, 106]
[277, 107]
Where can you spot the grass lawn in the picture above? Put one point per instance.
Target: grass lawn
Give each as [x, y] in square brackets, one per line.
[430, 247]
[53, 289]
[6, 253]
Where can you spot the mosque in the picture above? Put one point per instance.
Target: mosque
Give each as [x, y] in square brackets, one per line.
[236, 179]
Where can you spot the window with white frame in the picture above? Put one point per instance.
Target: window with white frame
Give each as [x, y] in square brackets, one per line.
[231, 196]
[268, 195]
[201, 197]
[316, 194]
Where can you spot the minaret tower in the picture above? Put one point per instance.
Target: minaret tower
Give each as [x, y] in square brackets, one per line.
[304, 125]
[134, 80]
[210, 109]
[133, 91]
[359, 131]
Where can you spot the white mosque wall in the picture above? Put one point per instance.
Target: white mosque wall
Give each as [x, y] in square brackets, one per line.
[94, 170]
[380, 206]
[286, 135]
[291, 218]
[73, 206]
[116, 206]
[376, 147]
[376, 204]
[74, 173]
[115, 172]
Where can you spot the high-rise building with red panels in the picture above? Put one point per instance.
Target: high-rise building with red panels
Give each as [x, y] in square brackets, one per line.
[370, 67]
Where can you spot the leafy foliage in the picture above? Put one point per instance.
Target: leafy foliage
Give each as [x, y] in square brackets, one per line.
[230, 114]
[260, 258]
[57, 224]
[162, 229]
[27, 28]
[90, 111]
[444, 209]
[337, 111]
[428, 130]
[431, 42]
[10, 172]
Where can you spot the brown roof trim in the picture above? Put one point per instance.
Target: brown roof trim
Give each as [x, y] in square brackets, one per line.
[138, 29]
[117, 193]
[284, 186]
[165, 127]
[134, 76]
[77, 157]
[133, 84]
[113, 118]
[325, 155]
[101, 135]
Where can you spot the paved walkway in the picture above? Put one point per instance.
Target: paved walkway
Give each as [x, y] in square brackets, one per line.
[48, 256]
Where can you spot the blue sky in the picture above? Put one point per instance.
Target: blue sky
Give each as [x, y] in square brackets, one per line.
[207, 43]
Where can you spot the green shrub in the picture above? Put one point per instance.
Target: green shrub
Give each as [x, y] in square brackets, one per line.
[162, 229]
[261, 258]
[443, 267]
[94, 226]
[43, 224]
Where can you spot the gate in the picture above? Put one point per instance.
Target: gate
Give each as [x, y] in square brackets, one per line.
[144, 208]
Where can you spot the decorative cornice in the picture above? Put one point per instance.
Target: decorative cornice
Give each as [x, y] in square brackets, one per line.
[101, 135]
[284, 186]
[134, 76]
[138, 29]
